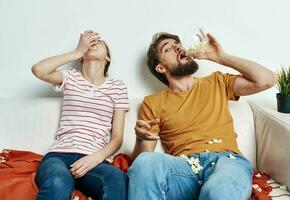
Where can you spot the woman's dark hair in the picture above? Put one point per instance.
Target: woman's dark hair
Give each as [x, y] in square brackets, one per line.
[152, 54]
[108, 62]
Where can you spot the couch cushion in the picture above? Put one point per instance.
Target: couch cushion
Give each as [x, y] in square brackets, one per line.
[30, 124]
[273, 141]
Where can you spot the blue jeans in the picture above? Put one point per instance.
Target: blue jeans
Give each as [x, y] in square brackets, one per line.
[158, 176]
[55, 181]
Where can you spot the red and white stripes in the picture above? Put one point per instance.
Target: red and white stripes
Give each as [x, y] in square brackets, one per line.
[87, 112]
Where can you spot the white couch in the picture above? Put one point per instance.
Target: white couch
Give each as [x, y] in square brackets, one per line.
[30, 124]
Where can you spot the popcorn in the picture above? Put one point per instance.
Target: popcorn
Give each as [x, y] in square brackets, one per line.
[2, 159]
[258, 175]
[231, 156]
[215, 141]
[193, 163]
[184, 156]
[76, 198]
[197, 50]
[257, 187]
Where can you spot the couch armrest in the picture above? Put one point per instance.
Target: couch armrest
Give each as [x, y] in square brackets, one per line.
[273, 142]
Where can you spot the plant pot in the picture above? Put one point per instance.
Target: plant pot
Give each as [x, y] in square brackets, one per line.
[283, 103]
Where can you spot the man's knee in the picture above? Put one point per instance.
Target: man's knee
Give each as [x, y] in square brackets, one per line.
[147, 163]
[225, 188]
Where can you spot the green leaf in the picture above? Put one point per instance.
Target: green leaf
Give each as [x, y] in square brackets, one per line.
[284, 81]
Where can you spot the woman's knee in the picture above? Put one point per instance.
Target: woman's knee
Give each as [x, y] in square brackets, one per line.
[109, 182]
[61, 179]
[55, 178]
[108, 175]
[119, 177]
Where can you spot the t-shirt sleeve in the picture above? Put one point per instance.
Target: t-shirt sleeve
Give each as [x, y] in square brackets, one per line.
[122, 101]
[146, 114]
[65, 76]
[229, 81]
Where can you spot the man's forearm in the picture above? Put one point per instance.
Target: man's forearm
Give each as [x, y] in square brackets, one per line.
[143, 146]
[252, 71]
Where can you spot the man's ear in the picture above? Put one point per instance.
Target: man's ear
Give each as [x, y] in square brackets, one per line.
[108, 59]
[160, 68]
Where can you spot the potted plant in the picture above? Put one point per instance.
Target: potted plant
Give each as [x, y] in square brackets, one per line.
[283, 97]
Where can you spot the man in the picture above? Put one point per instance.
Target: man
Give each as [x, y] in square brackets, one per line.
[192, 119]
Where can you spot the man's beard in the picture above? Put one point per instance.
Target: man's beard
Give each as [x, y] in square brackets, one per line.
[184, 69]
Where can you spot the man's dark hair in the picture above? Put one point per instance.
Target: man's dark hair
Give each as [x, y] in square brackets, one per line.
[152, 54]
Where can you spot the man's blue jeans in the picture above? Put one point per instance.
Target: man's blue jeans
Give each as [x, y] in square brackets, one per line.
[158, 176]
[55, 181]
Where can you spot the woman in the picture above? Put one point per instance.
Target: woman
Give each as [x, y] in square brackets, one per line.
[91, 125]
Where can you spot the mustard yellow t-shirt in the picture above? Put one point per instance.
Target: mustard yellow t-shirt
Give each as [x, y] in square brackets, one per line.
[196, 120]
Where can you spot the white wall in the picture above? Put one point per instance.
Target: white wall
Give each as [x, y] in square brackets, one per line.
[35, 29]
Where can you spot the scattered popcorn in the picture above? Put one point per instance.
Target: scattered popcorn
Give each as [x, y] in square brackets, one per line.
[257, 187]
[213, 163]
[258, 175]
[193, 163]
[206, 151]
[215, 141]
[2, 159]
[200, 182]
[283, 187]
[232, 157]
[197, 50]
[76, 198]
[196, 169]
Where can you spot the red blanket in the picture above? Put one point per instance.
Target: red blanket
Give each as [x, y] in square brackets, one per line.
[17, 172]
[18, 169]
[261, 189]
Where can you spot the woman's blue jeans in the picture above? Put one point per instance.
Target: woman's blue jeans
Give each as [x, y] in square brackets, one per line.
[55, 181]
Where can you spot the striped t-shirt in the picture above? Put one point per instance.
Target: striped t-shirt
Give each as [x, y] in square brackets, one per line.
[87, 112]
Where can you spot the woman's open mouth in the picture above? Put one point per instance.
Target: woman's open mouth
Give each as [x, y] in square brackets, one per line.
[97, 43]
